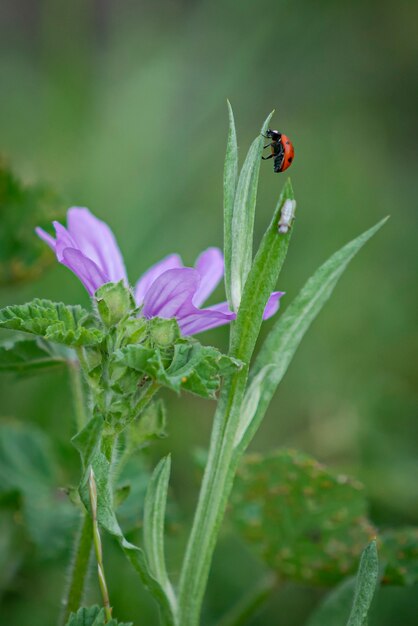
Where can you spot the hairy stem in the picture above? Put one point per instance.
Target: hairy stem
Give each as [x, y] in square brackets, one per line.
[77, 391]
[78, 570]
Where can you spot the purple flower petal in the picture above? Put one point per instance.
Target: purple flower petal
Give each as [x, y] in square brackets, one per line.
[273, 304]
[210, 265]
[45, 237]
[171, 294]
[96, 241]
[85, 269]
[172, 261]
[204, 319]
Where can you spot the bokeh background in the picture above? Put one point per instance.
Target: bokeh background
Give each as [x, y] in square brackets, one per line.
[121, 106]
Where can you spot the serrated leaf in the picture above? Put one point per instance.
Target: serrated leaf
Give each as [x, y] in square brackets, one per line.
[287, 333]
[23, 207]
[308, 523]
[154, 519]
[27, 468]
[399, 555]
[366, 582]
[53, 321]
[230, 185]
[193, 367]
[335, 608]
[30, 356]
[93, 616]
[261, 281]
[242, 225]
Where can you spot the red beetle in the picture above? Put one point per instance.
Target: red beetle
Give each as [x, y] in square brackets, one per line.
[282, 150]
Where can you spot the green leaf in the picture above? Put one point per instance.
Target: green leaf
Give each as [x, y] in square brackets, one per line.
[54, 321]
[288, 331]
[399, 554]
[87, 441]
[230, 185]
[308, 523]
[93, 616]
[31, 356]
[27, 469]
[154, 518]
[23, 256]
[242, 226]
[192, 367]
[261, 281]
[107, 519]
[366, 582]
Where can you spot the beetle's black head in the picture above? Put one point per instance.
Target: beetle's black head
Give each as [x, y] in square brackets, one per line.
[273, 134]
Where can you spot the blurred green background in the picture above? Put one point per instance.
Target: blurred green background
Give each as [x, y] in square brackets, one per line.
[121, 106]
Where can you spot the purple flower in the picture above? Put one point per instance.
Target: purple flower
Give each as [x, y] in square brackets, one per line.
[168, 289]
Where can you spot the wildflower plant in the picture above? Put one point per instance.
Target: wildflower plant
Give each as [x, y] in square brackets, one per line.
[137, 340]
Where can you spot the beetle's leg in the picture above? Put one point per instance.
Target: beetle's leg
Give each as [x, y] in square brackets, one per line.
[270, 156]
[267, 146]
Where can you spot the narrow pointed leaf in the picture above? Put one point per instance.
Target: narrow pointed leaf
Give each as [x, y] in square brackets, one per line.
[154, 517]
[261, 281]
[286, 335]
[87, 441]
[367, 578]
[230, 185]
[243, 218]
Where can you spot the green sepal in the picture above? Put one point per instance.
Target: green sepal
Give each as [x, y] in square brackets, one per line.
[163, 333]
[54, 321]
[114, 302]
[32, 356]
[308, 523]
[93, 616]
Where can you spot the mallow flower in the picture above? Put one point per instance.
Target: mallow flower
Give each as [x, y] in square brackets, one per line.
[168, 289]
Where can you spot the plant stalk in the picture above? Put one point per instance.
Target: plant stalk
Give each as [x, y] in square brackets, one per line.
[79, 570]
[216, 488]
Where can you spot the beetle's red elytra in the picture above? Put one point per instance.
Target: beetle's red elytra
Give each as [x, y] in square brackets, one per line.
[282, 150]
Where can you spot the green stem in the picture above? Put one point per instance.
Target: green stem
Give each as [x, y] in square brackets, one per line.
[249, 605]
[78, 569]
[216, 487]
[77, 390]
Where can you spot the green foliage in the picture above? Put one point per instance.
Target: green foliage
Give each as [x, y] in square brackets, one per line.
[22, 255]
[242, 225]
[28, 473]
[31, 356]
[230, 185]
[306, 522]
[287, 333]
[93, 616]
[366, 582]
[114, 301]
[54, 321]
[189, 366]
[261, 281]
[154, 519]
[87, 441]
[151, 425]
[399, 555]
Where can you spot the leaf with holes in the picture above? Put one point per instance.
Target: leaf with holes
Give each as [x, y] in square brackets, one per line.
[308, 523]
